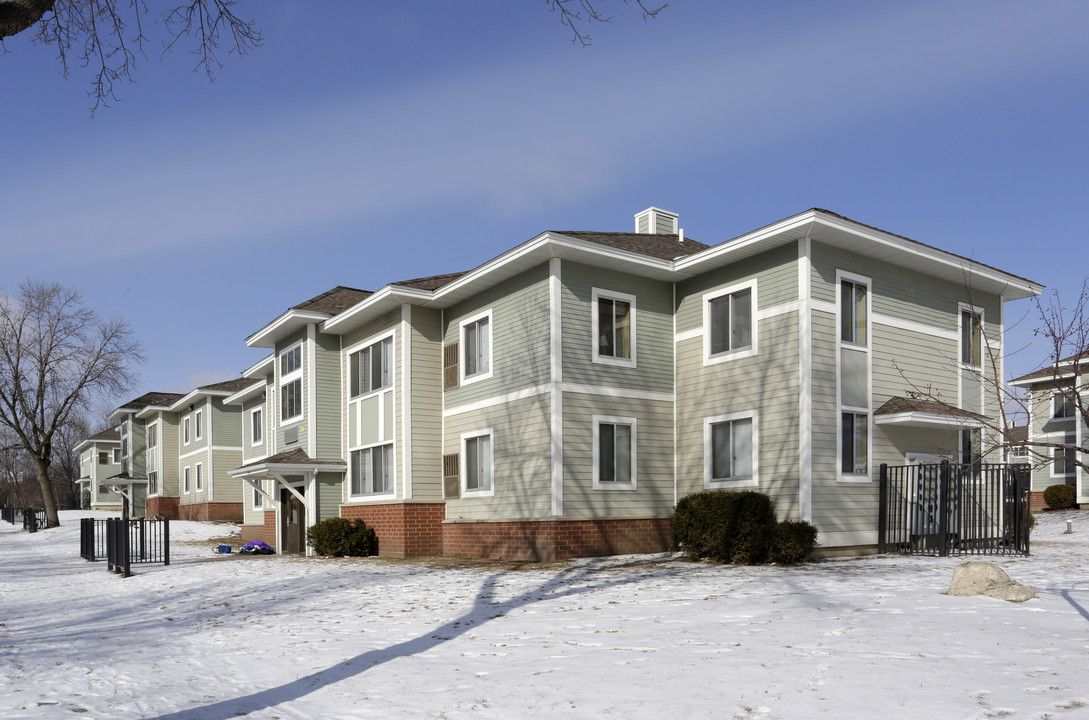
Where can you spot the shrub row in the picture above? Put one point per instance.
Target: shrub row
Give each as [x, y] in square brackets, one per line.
[740, 528]
[341, 537]
[1060, 497]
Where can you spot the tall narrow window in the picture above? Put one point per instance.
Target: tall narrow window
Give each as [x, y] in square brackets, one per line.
[614, 453]
[153, 483]
[853, 318]
[477, 450]
[257, 426]
[971, 446]
[729, 323]
[613, 327]
[200, 476]
[117, 456]
[185, 480]
[971, 337]
[291, 384]
[854, 443]
[198, 424]
[152, 436]
[476, 348]
[372, 368]
[1064, 408]
[186, 422]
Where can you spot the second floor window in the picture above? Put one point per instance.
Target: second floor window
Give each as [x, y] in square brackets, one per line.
[1064, 408]
[614, 328]
[853, 318]
[372, 367]
[257, 426]
[476, 347]
[152, 437]
[186, 422]
[291, 384]
[971, 337]
[198, 424]
[730, 318]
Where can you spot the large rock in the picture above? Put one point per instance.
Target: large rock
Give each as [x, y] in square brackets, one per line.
[984, 578]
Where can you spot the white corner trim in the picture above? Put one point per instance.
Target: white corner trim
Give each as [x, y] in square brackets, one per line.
[555, 323]
[406, 400]
[805, 381]
[310, 396]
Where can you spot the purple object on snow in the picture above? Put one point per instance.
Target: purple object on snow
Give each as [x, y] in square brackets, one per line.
[256, 547]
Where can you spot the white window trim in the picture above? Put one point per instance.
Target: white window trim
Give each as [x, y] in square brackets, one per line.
[1055, 418]
[198, 425]
[255, 424]
[851, 277]
[1051, 466]
[186, 486]
[846, 477]
[187, 425]
[116, 456]
[357, 347]
[709, 481]
[708, 358]
[198, 477]
[462, 347]
[259, 505]
[465, 492]
[284, 380]
[595, 347]
[631, 422]
[983, 344]
[369, 497]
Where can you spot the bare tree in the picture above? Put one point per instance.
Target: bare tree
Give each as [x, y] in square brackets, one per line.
[108, 36]
[55, 353]
[579, 15]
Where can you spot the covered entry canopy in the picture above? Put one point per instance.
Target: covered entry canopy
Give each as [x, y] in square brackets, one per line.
[126, 485]
[280, 465]
[908, 412]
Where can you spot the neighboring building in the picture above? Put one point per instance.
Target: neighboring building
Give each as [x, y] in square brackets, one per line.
[131, 479]
[99, 459]
[558, 399]
[1015, 451]
[1053, 418]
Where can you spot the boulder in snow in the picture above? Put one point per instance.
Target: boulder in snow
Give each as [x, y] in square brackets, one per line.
[984, 578]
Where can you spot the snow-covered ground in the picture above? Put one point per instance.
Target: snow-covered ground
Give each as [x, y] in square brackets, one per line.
[629, 637]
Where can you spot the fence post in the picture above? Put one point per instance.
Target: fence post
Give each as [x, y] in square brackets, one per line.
[166, 540]
[943, 509]
[883, 509]
[126, 546]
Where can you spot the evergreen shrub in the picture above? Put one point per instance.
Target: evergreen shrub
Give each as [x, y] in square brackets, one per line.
[738, 527]
[341, 537]
[792, 542]
[1060, 497]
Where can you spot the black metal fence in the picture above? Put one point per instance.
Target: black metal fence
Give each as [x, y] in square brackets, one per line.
[948, 509]
[30, 518]
[123, 543]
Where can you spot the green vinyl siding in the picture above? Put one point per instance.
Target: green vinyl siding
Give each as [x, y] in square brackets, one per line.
[223, 487]
[168, 440]
[251, 452]
[906, 361]
[226, 423]
[521, 446]
[653, 320]
[653, 453]
[426, 404]
[329, 495]
[520, 338]
[767, 383]
[327, 396]
[776, 272]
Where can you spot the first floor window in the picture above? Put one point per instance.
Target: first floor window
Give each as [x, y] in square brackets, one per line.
[478, 463]
[854, 439]
[614, 464]
[730, 320]
[291, 399]
[731, 449]
[971, 446]
[258, 498]
[1064, 461]
[153, 483]
[185, 480]
[372, 470]
[200, 477]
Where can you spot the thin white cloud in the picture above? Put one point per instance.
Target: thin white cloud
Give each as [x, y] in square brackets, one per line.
[536, 131]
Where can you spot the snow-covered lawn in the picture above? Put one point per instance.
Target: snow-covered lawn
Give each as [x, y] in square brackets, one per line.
[629, 637]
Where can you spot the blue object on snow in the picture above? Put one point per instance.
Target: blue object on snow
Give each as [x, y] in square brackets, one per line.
[226, 549]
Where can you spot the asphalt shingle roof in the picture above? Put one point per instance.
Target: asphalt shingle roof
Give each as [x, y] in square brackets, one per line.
[232, 386]
[334, 301]
[903, 404]
[150, 399]
[663, 247]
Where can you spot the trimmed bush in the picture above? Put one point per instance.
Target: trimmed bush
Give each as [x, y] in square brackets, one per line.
[737, 527]
[792, 542]
[1060, 497]
[341, 537]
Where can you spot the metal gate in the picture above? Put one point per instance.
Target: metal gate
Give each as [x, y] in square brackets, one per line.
[946, 509]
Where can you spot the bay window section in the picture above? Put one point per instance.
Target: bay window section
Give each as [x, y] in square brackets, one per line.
[853, 312]
[291, 400]
[372, 471]
[371, 368]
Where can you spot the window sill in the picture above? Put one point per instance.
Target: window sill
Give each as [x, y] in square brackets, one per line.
[728, 356]
[740, 482]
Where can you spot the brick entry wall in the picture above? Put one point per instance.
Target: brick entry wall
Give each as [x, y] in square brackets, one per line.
[556, 539]
[165, 506]
[216, 512]
[402, 529]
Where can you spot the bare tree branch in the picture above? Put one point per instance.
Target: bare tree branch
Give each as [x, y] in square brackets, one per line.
[579, 15]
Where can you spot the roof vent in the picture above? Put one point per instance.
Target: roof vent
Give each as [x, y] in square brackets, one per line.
[655, 221]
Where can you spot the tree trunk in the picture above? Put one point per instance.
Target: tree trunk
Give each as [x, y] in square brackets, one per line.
[48, 498]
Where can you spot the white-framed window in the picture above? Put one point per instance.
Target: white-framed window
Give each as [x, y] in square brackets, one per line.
[198, 471]
[615, 443]
[117, 456]
[476, 347]
[613, 327]
[185, 481]
[371, 368]
[258, 499]
[730, 450]
[1062, 407]
[729, 323]
[971, 335]
[153, 483]
[854, 311]
[971, 446]
[198, 424]
[372, 471]
[104, 457]
[291, 384]
[257, 426]
[1063, 462]
[477, 467]
[152, 436]
[855, 444]
[186, 424]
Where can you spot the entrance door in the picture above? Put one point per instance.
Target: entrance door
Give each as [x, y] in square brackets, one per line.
[293, 520]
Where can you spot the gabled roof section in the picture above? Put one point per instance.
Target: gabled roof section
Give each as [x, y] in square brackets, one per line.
[910, 412]
[663, 247]
[316, 309]
[289, 461]
[433, 282]
[1065, 369]
[220, 389]
[147, 400]
[109, 436]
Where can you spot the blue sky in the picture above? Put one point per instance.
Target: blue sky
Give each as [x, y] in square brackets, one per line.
[371, 142]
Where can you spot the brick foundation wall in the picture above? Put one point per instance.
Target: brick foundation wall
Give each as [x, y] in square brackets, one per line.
[270, 529]
[402, 529]
[558, 539]
[248, 533]
[1036, 501]
[165, 506]
[216, 512]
